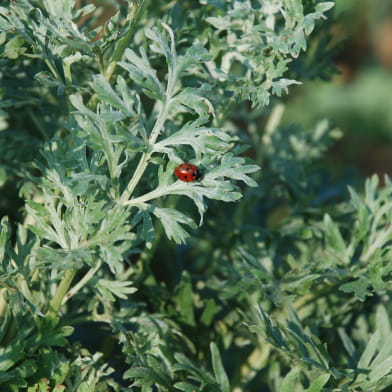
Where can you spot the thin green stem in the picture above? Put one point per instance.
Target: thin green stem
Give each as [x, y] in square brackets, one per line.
[38, 124]
[273, 122]
[144, 159]
[123, 43]
[157, 129]
[151, 195]
[135, 178]
[133, 16]
[82, 282]
[62, 290]
[54, 70]
[3, 304]
[67, 72]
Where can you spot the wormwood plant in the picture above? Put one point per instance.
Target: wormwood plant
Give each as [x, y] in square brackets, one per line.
[286, 289]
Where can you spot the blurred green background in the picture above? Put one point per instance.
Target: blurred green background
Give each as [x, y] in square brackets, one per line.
[359, 98]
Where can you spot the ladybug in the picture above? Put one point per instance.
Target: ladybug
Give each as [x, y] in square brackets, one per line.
[188, 172]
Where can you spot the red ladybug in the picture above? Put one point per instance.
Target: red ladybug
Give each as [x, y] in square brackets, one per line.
[188, 172]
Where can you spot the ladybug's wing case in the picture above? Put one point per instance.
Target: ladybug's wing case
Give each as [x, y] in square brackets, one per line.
[184, 174]
[187, 172]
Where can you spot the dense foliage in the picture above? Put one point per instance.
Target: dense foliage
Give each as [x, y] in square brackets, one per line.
[115, 275]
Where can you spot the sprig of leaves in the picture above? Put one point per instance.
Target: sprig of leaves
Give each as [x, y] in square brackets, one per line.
[274, 34]
[106, 130]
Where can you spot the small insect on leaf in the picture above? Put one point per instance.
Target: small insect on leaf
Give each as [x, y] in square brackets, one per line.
[188, 172]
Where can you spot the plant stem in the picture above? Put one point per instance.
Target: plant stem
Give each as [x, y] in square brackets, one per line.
[133, 17]
[38, 124]
[135, 178]
[54, 70]
[61, 292]
[142, 165]
[273, 121]
[81, 283]
[153, 194]
[158, 126]
[3, 304]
